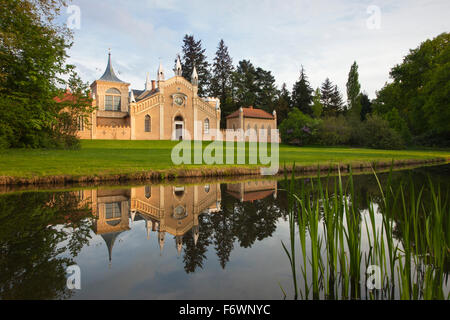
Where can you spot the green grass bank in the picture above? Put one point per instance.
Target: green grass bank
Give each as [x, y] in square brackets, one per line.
[112, 160]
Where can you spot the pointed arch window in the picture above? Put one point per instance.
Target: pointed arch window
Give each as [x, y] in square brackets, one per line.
[206, 126]
[148, 123]
[80, 123]
[148, 192]
[112, 100]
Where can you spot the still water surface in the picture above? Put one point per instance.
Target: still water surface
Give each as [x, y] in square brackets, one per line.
[213, 240]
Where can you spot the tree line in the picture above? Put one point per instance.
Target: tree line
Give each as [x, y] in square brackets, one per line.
[411, 110]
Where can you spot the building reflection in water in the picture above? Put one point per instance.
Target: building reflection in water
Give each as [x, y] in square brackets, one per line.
[253, 190]
[164, 209]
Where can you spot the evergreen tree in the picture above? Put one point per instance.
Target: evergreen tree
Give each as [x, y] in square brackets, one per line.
[244, 84]
[267, 92]
[366, 106]
[302, 94]
[195, 253]
[221, 81]
[353, 91]
[326, 95]
[283, 104]
[194, 55]
[337, 102]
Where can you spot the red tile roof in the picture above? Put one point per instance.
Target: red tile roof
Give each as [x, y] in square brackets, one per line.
[252, 113]
[67, 96]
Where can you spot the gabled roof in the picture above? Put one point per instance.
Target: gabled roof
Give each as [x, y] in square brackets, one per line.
[252, 113]
[109, 74]
[142, 94]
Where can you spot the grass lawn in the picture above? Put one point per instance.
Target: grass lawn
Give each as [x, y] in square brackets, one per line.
[99, 157]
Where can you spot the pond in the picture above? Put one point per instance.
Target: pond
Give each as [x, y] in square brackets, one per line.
[190, 240]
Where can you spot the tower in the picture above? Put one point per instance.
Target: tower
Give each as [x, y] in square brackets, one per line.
[194, 77]
[148, 84]
[178, 70]
[160, 75]
[194, 80]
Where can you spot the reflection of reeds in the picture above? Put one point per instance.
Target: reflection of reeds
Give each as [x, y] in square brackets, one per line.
[411, 267]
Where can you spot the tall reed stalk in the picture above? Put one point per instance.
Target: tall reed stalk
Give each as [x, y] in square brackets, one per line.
[412, 265]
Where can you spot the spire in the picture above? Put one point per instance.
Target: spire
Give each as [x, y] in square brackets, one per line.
[196, 233]
[161, 241]
[132, 100]
[148, 226]
[178, 70]
[194, 77]
[109, 239]
[109, 74]
[160, 75]
[148, 83]
[179, 242]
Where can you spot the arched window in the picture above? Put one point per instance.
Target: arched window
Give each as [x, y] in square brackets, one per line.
[268, 130]
[206, 126]
[148, 192]
[80, 123]
[207, 188]
[148, 123]
[112, 100]
[256, 128]
[248, 126]
[262, 129]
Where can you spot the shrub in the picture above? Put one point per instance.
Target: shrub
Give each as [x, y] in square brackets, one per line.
[334, 131]
[299, 128]
[376, 133]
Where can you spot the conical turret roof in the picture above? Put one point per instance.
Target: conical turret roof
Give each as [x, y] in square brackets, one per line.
[109, 74]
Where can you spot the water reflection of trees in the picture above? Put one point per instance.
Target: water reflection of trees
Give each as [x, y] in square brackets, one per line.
[241, 222]
[32, 261]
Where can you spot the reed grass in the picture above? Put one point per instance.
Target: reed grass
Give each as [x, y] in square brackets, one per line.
[413, 266]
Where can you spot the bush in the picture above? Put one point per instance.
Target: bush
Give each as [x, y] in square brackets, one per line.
[334, 131]
[299, 128]
[432, 139]
[376, 133]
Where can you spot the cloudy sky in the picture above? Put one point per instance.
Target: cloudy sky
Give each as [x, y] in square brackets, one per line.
[323, 36]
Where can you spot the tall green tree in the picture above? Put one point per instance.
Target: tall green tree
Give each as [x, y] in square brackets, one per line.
[33, 51]
[317, 106]
[283, 104]
[244, 84]
[267, 92]
[302, 94]
[221, 80]
[366, 106]
[254, 86]
[420, 91]
[194, 55]
[353, 91]
[326, 97]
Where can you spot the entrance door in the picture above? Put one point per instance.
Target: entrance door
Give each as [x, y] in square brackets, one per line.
[179, 131]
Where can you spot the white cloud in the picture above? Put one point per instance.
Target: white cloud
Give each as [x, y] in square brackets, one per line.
[323, 36]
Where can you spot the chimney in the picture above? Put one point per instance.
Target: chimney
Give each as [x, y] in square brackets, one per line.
[153, 84]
